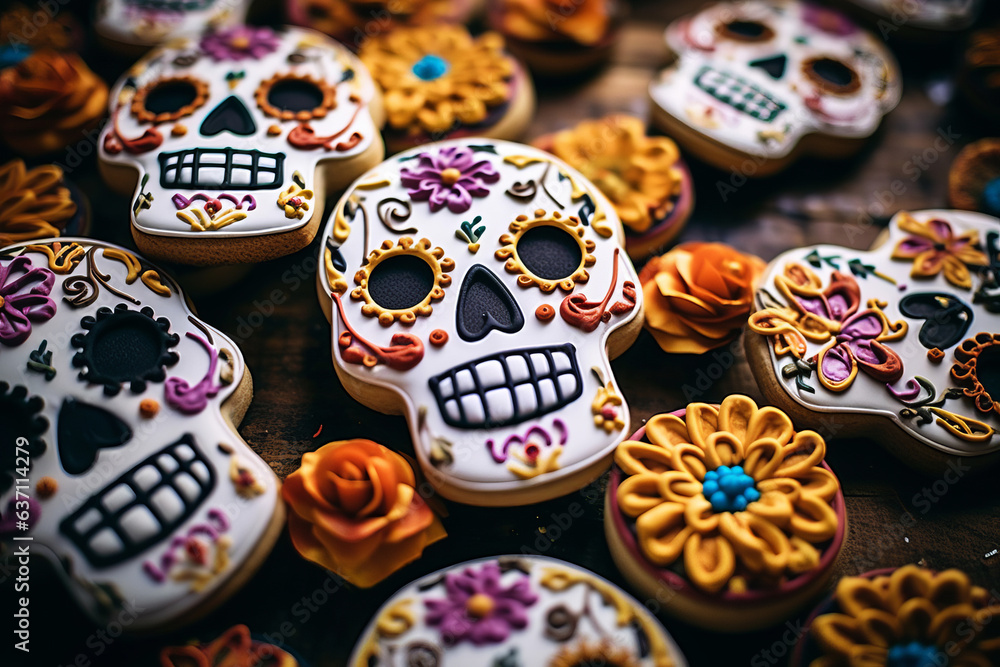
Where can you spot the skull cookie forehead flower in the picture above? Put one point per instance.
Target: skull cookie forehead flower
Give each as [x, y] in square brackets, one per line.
[732, 491]
[935, 248]
[24, 298]
[909, 617]
[478, 608]
[240, 43]
[450, 177]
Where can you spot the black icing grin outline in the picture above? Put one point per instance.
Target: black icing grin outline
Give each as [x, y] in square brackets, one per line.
[142, 507]
[508, 388]
[738, 94]
[226, 168]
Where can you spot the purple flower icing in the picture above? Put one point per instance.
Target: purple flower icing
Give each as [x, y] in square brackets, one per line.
[23, 299]
[450, 177]
[827, 20]
[239, 43]
[478, 608]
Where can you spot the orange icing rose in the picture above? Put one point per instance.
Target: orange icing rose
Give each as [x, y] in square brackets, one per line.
[34, 204]
[698, 295]
[582, 21]
[235, 648]
[355, 511]
[48, 100]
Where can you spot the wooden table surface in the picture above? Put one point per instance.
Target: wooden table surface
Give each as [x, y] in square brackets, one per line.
[896, 516]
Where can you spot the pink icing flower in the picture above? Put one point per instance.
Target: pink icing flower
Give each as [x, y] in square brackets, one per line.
[23, 299]
[450, 177]
[478, 608]
[239, 43]
[828, 20]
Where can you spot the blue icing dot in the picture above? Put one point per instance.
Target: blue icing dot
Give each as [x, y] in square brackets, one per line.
[729, 489]
[430, 67]
[709, 487]
[915, 654]
[991, 197]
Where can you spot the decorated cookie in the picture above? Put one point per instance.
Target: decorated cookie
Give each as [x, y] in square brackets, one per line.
[229, 142]
[38, 202]
[356, 511]
[132, 25]
[913, 18]
[558, 37]
[643, 176]
[355, 21]
[440, 82]
[121, 406]
[48, 101]
[923, 617]
[698, 296]
[234, 648]
[757, 83]
[979, 74]
[898, 343]
[729, 507]
[528, 611]
[974, 179]
[33, 28]
[477, 287]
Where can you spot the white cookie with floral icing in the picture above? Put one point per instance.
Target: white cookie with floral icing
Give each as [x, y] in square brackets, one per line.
[121, 456]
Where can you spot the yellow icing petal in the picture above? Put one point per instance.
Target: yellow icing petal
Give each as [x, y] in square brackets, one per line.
[770, 422]
[723, 449]
[698, 514]
[667, 430]
[639, 493]
[762, 458]
[774, 506]
[635, 457]
[662, 534]
[802, 454]
[735, 415]
[709, 561]
[855, 594]
[702, 420]
[813, 520]
[879, 628]
[690, 459]
[804, 556]
[762, 546]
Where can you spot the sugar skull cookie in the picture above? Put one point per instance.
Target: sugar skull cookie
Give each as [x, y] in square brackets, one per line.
[899, 343]
[118, 408]
[478, 287]
[757, 83]
[529, 611]
[131, 25]
[228, 142]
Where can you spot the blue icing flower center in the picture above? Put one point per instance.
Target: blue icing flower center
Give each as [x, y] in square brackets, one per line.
[914, 654]
[430, 67]
[991, 197]
[729, 489]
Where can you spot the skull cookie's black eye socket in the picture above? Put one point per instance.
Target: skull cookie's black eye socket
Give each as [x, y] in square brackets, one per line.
[167, 100]
[295, 98]
[832, 75]
[401, 281]
[745, 31]
[548, 250]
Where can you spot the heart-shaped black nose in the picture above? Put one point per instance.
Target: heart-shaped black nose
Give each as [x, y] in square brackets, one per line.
[230, 116]
[485, 304]
[948, 318]
[774, 65]
[83, 430]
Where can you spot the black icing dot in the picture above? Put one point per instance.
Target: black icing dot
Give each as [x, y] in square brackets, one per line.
[19, 418]
[549, 252]
[295, 95]
[124, 346]
[400, 282]
[833, 71]
[170, 96]
[988, 370]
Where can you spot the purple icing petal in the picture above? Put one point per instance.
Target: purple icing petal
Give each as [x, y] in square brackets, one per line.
[864, 352]
[909, 392]
[490, 630]
[25, 299]
[836, 365]
[865, 324]
[814, 305]
[914, 245]
[942, 229]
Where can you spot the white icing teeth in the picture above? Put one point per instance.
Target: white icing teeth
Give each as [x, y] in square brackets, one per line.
[143, 506]
[218, 167]
[739, 94]
[508, 388]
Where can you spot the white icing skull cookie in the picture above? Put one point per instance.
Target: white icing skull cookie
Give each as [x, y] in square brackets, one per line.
[757, 83]
[121, 458]
[514, 611]
[229, 141]
[900, 343]
[143, 23]
[477, 287]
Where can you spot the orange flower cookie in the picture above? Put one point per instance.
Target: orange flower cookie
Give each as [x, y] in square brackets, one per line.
[730, 507]
[354, 21]
[355, 511]
[909, 616]
[698, 296]
[34, 203]
[234, 648]
[644, 177]
[48, 101]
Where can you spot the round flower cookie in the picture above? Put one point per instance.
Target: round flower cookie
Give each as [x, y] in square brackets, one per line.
[730, 508]
[48, 101]
[38, 202]
[480, 287]
[908, 616]
[353, 22]
[229, 142]
[132, 26]
[234, 647]
[644, 177]
[755, 84]
[974, 179]
[899, 342]
[440, 82]
[354, 509]
[122, 408]
[524, 611]
[558, 37]
[698, 296]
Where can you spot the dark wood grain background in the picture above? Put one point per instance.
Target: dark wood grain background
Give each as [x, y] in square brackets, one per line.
[896, 516]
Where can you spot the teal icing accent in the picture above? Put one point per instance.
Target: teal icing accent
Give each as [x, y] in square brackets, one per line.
[729, 489]
[991, 196]
[915, 654]
[430, 67]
